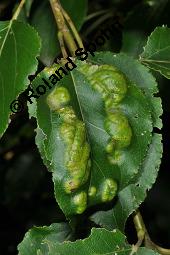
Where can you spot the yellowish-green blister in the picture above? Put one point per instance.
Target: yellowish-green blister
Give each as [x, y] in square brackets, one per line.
[77, 150]
[113, 87]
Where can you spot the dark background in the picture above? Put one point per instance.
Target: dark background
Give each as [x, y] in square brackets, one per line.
[26, 188]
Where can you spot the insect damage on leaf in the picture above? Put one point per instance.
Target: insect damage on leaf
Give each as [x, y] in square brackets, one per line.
[77, 150]
[112, 85]
[77, 153]
[99, 118]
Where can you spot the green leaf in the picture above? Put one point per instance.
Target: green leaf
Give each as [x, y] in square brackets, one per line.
[44, 22]
[45, 242]
[19, 47]
[156, 53]
[139, 106]
[34, 240]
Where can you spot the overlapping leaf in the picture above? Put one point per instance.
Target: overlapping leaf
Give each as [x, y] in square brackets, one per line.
[35, 240]
[48, 241]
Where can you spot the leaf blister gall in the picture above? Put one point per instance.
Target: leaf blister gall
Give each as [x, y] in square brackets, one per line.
[89, 105]
[115, 117]
[109, 188]
[112, 85]
[77, 152]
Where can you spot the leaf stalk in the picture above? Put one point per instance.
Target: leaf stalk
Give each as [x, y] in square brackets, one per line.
[64, 34]
[143, 235]
[18, 10]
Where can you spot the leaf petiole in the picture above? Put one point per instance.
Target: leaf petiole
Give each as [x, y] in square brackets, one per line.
[18, 10]
[143, 235]
[63, 29]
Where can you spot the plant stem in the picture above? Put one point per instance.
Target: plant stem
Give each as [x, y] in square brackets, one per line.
[57, 10]
[73, 28]
[61, 41]
[153, 246]
[18, 10]
[144, 236]
[140, 229]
